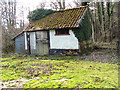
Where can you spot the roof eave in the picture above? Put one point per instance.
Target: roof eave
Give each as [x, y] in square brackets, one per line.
[79, 21]
[17, 35]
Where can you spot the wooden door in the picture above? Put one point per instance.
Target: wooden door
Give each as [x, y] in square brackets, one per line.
[42, 43]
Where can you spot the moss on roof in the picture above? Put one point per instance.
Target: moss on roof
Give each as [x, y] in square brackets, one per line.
[66, 18]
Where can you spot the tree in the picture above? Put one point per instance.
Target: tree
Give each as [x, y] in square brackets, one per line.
[42, 4]
[39, 13]
[0, 32]
[118, 31]
[84, 3]
[59, 4]
[115, 32]
[103, 21]
[77, 3]
[8, 24]
[8, 19]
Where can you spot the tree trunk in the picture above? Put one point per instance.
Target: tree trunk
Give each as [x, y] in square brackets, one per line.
[63, 4]
[92, 22]
[0, 36]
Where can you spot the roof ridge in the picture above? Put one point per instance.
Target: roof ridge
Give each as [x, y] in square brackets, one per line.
[71, 8]
[66, 19]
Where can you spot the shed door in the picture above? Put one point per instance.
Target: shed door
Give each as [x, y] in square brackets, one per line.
[33, 43]
[20, 45]
[42, 43]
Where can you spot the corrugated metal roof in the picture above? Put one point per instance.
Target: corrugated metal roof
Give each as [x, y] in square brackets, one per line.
[66, 18]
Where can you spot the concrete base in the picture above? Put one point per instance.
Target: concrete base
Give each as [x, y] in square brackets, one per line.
[64, 52]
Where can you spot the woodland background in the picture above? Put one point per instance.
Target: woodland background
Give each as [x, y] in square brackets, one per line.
[104, 17]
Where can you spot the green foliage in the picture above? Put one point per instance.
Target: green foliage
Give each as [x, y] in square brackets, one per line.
[12, 66]
[60, 73]
[84, 31]
[39, 13]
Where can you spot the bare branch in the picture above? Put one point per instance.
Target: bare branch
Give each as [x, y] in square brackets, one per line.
[54, 5]
[77, 3]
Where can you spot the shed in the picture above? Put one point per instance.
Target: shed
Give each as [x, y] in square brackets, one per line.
[54, 34]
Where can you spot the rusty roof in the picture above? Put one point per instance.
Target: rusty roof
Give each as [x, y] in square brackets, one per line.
[65, 18]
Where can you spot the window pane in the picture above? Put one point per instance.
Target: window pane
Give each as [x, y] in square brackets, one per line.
[61, 31]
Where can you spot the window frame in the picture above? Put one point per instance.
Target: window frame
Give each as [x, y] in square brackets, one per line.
[62, 32]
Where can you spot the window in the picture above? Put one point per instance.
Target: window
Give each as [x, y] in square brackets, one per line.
[62, 32]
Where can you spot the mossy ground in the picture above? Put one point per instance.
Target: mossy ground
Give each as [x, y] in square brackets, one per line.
[59, 72]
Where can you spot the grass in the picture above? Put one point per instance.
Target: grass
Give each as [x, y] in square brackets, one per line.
[59, 72]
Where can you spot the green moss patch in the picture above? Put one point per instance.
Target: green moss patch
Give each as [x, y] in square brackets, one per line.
[60, 73]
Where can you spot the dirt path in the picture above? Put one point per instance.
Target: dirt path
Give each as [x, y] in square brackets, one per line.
[20, 82]
[104, 56]
[17, 83]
